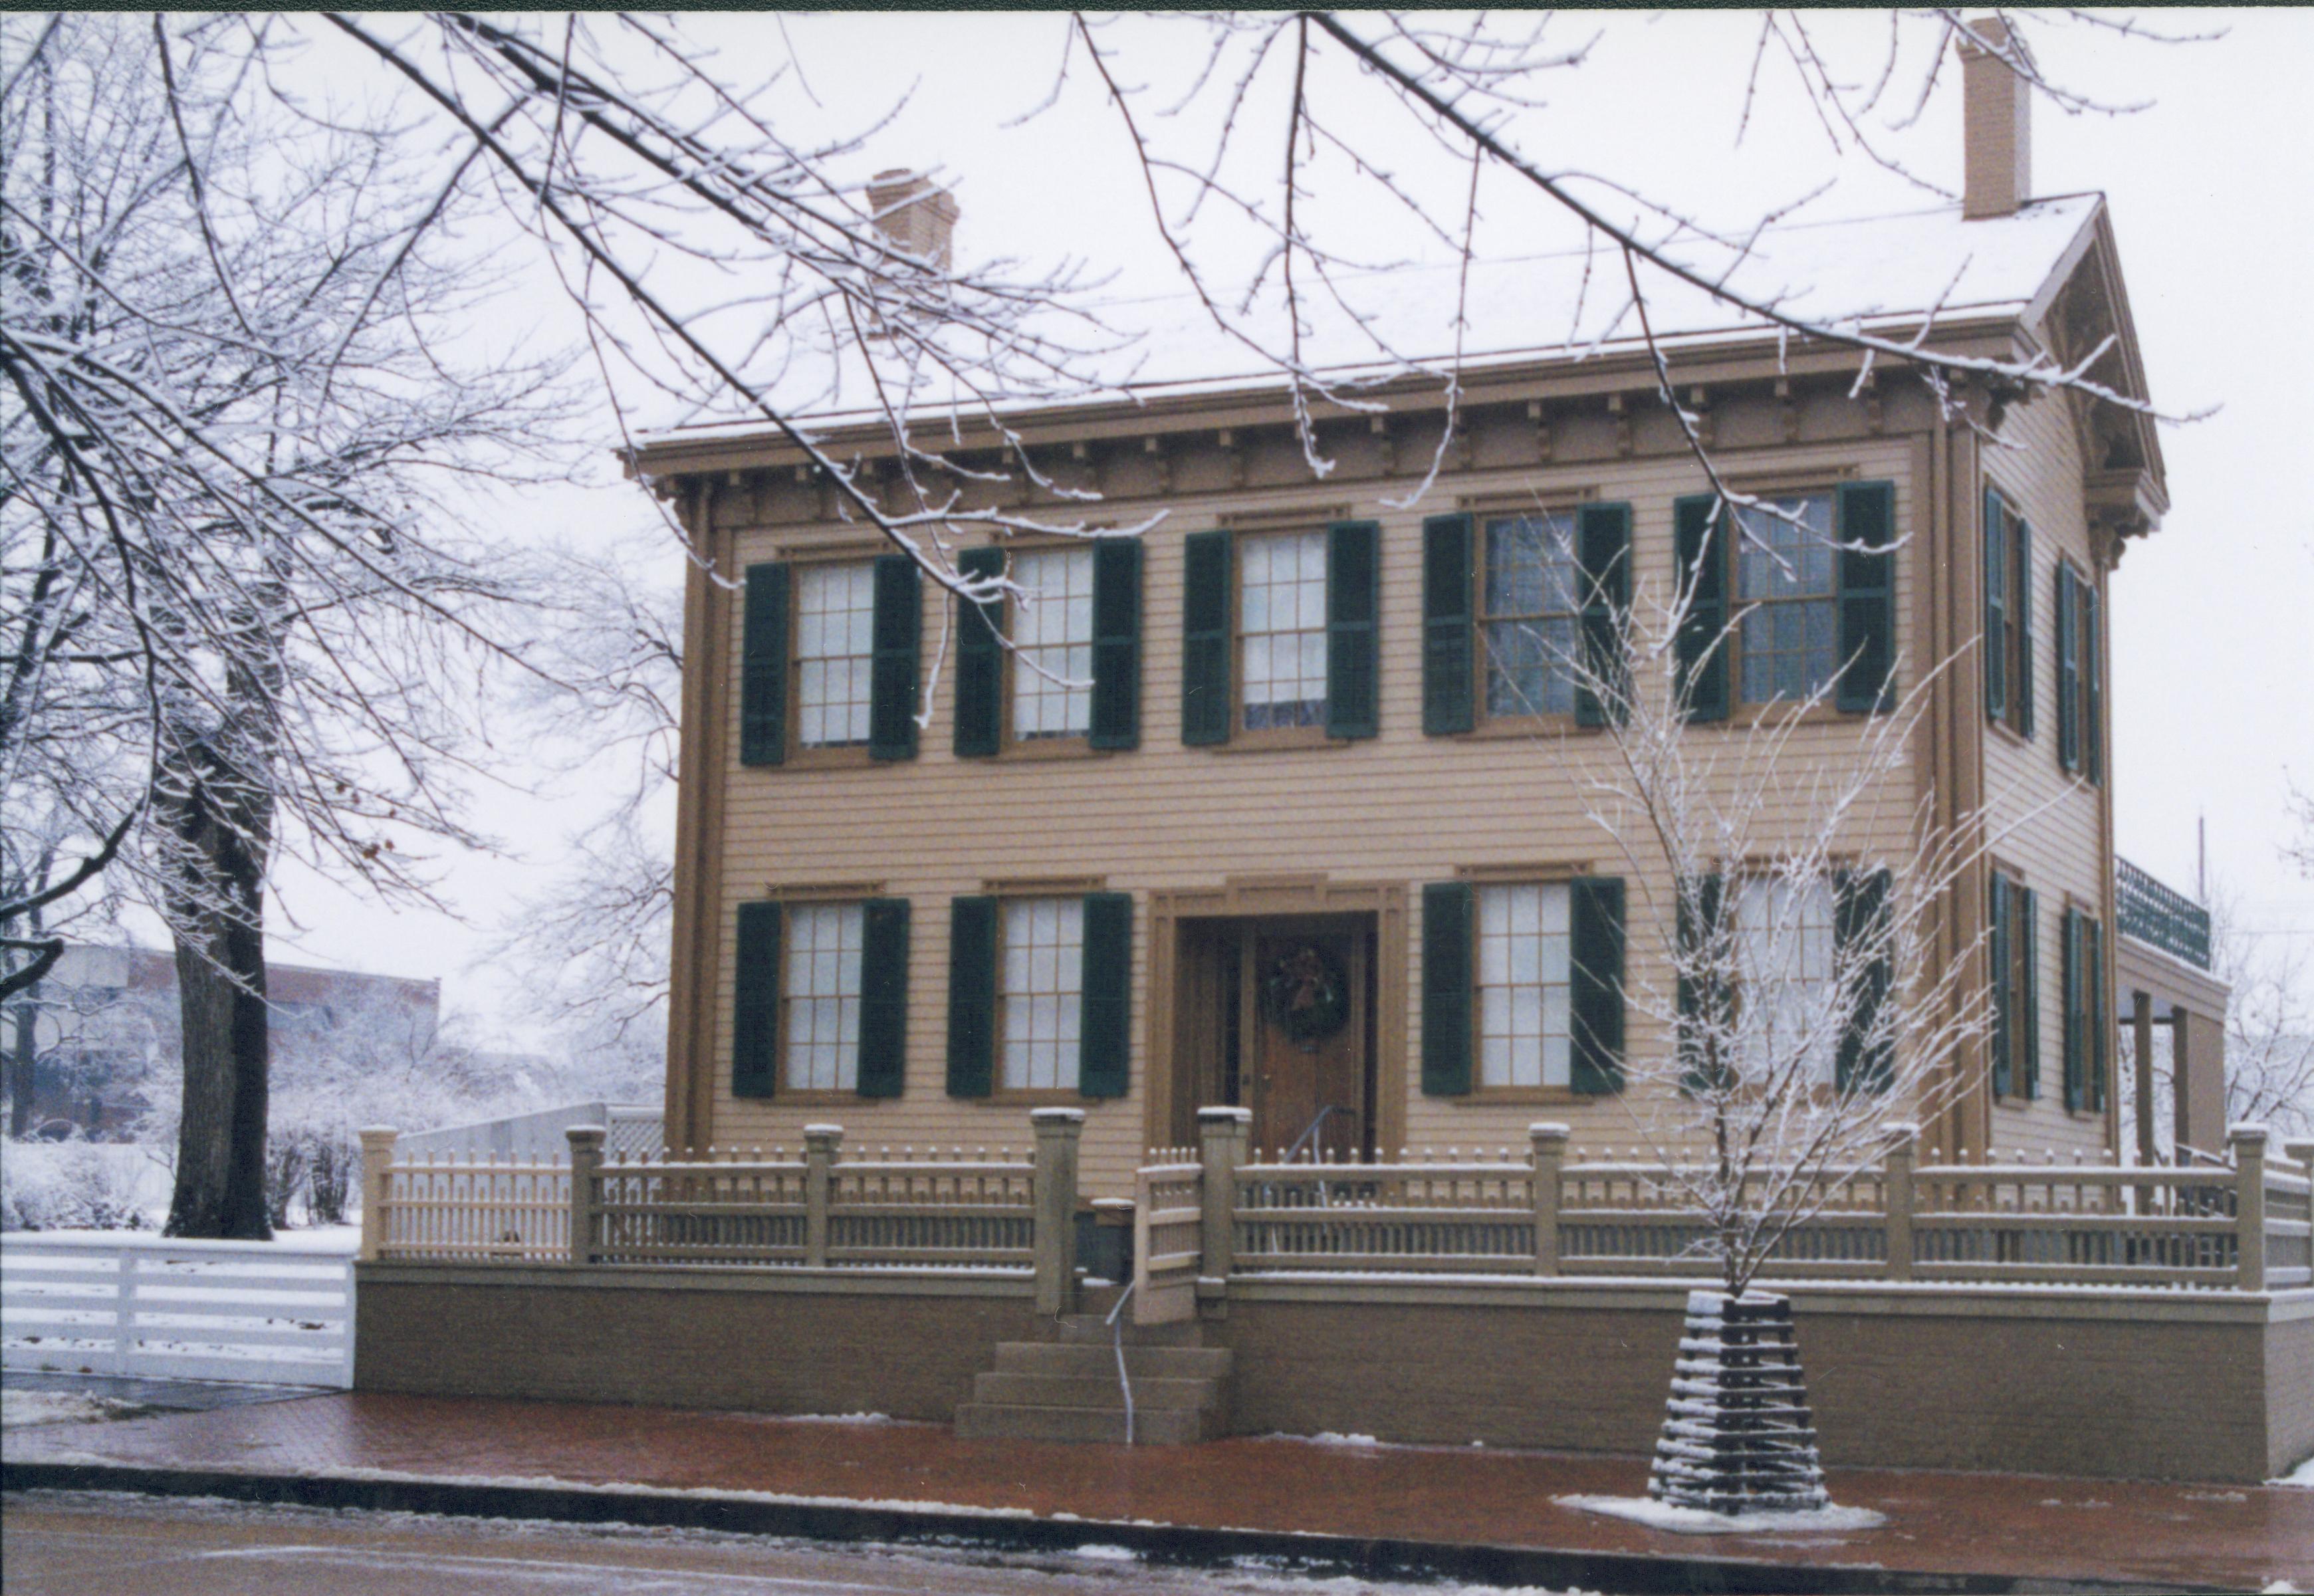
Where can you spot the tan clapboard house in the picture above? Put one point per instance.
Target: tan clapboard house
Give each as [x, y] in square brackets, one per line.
[1277, 802]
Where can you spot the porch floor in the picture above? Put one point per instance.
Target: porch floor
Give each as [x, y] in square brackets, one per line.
[2030, 1528]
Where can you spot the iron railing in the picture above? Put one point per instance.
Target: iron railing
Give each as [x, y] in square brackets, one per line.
[2160, 916]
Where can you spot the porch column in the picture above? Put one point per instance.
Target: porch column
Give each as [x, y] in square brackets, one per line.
[2142, 1034]
[2249, 1146]
[585, 1164]
[1222, 1134]
[1057, 1131]
[377, 1160]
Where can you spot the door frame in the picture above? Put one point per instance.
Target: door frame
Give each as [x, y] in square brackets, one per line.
[1170, 1116]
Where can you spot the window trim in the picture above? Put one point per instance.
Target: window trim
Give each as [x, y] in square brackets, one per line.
[1484, 721]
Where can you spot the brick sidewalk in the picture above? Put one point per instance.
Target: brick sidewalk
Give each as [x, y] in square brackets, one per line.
[1992, 1527]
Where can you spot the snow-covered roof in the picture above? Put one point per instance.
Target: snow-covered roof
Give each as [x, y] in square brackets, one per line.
[1873, 272]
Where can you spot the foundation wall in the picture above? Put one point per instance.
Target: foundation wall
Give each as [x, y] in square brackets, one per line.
[2113, 1384]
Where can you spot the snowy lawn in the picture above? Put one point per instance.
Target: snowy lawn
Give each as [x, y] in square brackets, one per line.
[2303, 1475]
[19, 1409]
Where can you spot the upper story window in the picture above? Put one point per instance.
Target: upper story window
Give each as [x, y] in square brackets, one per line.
[1042, 992]
[1788, 644]
[1281, 630]
[1783, 950]
[1812, 586]
[1531, 615]
[2008, 663]
[1278, 633]
[1525, 949]
[835, 616]
[822, 1024]
[828, 659]
[1052, 634]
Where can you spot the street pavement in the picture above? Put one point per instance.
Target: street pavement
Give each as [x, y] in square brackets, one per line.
[97, 1544]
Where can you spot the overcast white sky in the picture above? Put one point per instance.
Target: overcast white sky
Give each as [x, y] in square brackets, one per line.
[2209, 192]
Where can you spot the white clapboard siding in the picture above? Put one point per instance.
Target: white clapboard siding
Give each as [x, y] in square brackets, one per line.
[236, 1310]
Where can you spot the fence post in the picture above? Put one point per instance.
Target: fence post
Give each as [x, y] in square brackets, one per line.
[124, 1313]
[585, 1165]
[2248, 1143]
[1896, 1197]
[377, 1161]
[1549, 1143]
[1056, 1192]
[1222, 1134]
[820, 1147]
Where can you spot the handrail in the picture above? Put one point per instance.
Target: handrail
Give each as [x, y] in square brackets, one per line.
[1308, 1132]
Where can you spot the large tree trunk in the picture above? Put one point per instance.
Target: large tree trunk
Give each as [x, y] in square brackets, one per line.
[222, 828]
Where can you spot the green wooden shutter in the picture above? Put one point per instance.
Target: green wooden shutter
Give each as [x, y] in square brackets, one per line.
[980, 662]
[898, 625]
[1116, 717]
[1206, 690]
[755, 1007]
[1867, 596]
[883, 997]
[764, 665]
[2097, 1011]
[2029, 989]
[2075, 1033]
[2004, 996]
[1702, 1001]
[1105, 1030]
[2092, 734]
[1864, 1059]
[1449, 629]
[1595, 984]
[1352, 650]
[1702, 650]
[972, 924]
[1994, 647]
[2020, 690]
[2069, 672]
[1603, 538]
[1448, 994]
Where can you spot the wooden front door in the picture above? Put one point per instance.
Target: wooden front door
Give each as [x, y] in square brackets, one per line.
[1306, 1003]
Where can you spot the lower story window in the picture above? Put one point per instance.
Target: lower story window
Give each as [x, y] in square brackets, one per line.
[1784, 933]
[823, 996]
[1524, 946]
[1042, 991]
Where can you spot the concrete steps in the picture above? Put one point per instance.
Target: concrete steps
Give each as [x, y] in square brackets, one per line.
[1066, 1389]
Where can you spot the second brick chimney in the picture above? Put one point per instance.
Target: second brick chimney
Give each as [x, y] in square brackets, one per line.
[916, 214]
[1996, 122]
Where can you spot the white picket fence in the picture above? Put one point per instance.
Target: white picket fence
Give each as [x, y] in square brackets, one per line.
[239, 1310]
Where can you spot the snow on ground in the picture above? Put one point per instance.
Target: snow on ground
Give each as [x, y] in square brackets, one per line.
[2303, 1475]
[21, 1408]
[321, 1240]
[1692, 1521]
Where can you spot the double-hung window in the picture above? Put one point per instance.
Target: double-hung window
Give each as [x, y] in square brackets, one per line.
[1052, 637]
[1783, 954]
[2015, 955]
[1042, 992]
[1281, 630]
[821, 991]
[1788, 643]
[1533, 614]
[2080, 676]
[1057, 663]
[2087, 1013]
[1525, 943]
[1279, 636]
[2008, 662]
[827, 660]
[835, 617]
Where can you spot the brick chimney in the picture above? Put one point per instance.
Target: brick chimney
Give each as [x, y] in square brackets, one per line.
[1996, 122]
[916, 214]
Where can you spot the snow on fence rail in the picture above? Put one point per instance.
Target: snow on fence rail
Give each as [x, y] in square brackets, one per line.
[240, 1310]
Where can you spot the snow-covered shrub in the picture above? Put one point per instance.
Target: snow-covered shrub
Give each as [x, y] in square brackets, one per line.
[77, 1186]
